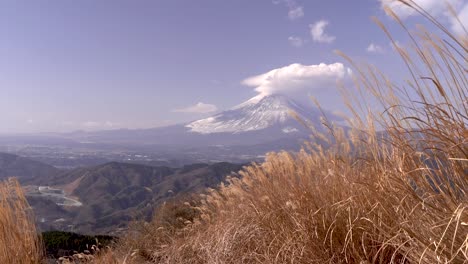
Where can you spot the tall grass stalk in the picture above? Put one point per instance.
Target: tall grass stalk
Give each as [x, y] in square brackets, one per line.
[19, 239]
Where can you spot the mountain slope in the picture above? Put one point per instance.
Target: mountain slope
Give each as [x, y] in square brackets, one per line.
[258, 113]
[24, 169]
[115, 193]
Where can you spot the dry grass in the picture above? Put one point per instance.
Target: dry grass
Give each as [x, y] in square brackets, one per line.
[397, 196]
[106, 257]
[19, 240]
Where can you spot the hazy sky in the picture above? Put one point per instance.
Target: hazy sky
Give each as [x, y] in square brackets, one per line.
[103, 64]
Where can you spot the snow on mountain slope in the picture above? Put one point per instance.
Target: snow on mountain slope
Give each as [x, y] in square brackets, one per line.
[258, 113]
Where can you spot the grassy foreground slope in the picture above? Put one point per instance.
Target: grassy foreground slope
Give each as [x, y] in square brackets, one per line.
[397, 197]
[393, 197]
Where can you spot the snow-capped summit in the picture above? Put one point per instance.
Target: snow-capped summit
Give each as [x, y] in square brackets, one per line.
[258, 113]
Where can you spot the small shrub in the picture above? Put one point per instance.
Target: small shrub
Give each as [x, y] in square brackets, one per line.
[59, 244]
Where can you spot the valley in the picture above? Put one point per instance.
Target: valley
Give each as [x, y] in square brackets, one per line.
[97, 182]
[58, 196]
[104, 199]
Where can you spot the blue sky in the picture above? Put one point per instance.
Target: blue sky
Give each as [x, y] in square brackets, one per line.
[104, 64]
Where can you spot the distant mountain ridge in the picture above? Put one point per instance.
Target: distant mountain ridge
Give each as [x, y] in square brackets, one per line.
[24, 169]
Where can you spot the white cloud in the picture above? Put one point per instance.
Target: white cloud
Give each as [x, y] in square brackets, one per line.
[297, 78]
[295, 10]
[436, 8]
[317, 30]
[296, 41]
[200, 108]
[110, 124]
[296, 13]
[95, 124]
[374, 48]
[461, 25]
[91, 124]
[396, 45]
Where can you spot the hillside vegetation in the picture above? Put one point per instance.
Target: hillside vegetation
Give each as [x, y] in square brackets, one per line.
[114, 194]
[59, 244]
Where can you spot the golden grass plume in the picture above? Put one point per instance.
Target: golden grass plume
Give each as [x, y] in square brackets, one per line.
[19, 240]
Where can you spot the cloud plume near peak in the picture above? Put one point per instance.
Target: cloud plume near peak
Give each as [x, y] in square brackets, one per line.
[298, 79]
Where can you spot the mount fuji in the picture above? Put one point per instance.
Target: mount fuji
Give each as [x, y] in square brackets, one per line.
[258, 113]
[260, 120]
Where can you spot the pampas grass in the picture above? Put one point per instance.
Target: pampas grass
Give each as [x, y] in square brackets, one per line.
[19, 239]
[392, 188]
